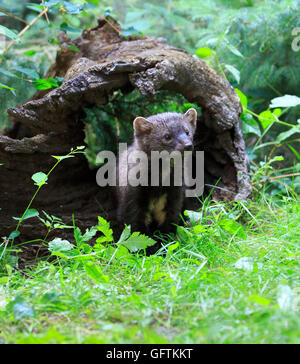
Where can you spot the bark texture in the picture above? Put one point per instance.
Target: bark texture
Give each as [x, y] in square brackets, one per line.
[50, 124]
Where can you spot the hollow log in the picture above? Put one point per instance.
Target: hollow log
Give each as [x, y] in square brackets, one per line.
[51, 124]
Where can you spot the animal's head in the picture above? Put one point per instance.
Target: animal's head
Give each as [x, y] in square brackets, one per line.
[167, 131]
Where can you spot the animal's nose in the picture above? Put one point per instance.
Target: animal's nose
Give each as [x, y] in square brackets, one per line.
[188, 146]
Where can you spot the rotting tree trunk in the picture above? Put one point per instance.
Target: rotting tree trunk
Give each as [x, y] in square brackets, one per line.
[52, 124]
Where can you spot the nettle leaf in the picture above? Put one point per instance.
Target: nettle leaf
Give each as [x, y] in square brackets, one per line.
[235, 72]
[203, 52]
[39, 178]
[249, 124]
[285, 101]
[8, 33]
[28, 215]
[243, 98]
[60, 245]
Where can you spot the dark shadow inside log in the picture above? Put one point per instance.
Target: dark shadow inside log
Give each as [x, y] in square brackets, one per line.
[51, 123]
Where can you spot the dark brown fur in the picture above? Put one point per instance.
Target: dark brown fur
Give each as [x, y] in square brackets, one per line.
[151, 208]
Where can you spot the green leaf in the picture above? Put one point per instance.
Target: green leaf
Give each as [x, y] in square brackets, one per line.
[249, 124]
[235, 72]
[135, 241]
[45, 83]
[13, 235]
[266, 118]
[130, 31]
[286, 134]
[27, 71]
[95, 273]
[73, 48]
[39, 178]
[28, 215]
[243, 98]
[233, 227]
[105, 229]
[30, 53]
[12, 90]
[61, 157]
[7, 73]
[260, 300]
[8, 33]
[233, 49]
[60, 245]
[193, 216]
[285, 101]
[203, 52]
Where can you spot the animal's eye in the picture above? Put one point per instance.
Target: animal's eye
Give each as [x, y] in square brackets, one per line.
[168, 137]
[187, 132]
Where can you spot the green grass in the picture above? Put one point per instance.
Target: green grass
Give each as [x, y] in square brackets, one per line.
[233, 278]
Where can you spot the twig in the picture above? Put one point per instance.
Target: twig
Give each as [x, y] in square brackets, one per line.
[46, 15]
[10, 44]
[13, 16]
[283, 176]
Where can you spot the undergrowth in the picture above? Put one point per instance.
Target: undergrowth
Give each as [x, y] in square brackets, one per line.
[230, 275]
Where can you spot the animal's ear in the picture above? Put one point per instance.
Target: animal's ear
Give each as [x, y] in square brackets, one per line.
[142, 126]
[191, 117]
